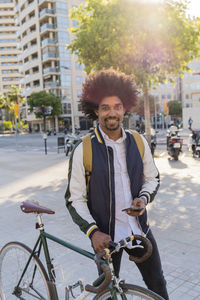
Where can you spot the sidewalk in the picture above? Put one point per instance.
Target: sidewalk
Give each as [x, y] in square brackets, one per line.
[174, 218]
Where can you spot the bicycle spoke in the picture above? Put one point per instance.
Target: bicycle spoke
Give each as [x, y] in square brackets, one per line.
[13, 259]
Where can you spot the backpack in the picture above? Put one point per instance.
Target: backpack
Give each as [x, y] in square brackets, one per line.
[87, 153]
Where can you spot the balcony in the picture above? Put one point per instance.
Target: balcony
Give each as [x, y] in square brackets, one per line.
[48, 41]
[46, 11]
[51, 84]
[46, 27]
[50, 70]
[48, 55]
[42, 1]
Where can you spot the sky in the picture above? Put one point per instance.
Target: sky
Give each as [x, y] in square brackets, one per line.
[194, 8]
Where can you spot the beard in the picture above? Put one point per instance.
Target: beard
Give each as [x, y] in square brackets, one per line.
[112, 126]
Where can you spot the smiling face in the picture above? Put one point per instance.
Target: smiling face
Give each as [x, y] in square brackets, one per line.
[110, 114]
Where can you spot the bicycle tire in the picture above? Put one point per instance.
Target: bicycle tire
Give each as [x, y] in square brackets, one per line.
[13, 258]
[130, 291]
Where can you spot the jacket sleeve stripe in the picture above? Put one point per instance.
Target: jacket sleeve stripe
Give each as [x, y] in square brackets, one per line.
[92, 230]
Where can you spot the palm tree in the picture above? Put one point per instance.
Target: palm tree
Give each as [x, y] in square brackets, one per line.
[1, 101]
[14, 94]
[8, 105]
[14, 97]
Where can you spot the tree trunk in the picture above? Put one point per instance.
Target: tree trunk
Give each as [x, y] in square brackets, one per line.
[147, 116]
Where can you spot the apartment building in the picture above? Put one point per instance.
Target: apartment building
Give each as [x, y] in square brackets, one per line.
[190, 84]
[45, 62]
[9, 66]
[164, 93]
[186, 91]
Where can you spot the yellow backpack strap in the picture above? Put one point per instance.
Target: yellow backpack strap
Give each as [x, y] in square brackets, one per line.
[87, 158]
[139, 142]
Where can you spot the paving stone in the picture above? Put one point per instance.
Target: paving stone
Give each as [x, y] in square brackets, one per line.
[32, 175]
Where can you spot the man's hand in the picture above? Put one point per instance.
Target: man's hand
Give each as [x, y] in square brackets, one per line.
[139, 202]
[100, 241]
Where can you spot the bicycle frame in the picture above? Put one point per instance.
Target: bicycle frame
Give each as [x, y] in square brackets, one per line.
[42, 243]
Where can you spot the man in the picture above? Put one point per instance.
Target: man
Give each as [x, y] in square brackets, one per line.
[120, 178]
[190, 121]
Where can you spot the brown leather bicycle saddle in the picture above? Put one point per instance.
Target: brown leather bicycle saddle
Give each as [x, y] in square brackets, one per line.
[31, 206]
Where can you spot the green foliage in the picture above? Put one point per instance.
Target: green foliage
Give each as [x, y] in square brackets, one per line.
[175, 108]
[2, 101]
[14, 95]
[44, 99]
[7, 124]
[150, 40]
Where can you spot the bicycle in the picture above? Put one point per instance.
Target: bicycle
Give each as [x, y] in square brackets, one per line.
[23, 275]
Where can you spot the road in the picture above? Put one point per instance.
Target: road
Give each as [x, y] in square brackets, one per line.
[27, 173]
[35, 142]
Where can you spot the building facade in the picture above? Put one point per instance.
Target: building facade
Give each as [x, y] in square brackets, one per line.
[46, 64]
[9, 65]
[186, 91]
[191, 95]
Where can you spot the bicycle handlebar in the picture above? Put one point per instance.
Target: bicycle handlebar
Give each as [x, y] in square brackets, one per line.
[147, 247]
[106, 270]
[115, 247]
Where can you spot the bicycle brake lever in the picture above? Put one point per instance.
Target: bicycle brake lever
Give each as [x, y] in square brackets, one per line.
[112, 246]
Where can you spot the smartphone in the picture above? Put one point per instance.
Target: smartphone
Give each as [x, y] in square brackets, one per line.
[136, 208]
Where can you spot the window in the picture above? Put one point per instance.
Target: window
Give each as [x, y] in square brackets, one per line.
[66, 108]
[62, 22]
[65, 80]
[188, 105]
[63, 37]
[65, 65]
[8, 41]
[78, 66]
[9, 64]
[79, 80]
[61, 7]
[63, 52]
[35, 70]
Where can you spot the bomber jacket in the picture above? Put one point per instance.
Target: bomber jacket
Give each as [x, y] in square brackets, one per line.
[95, 210]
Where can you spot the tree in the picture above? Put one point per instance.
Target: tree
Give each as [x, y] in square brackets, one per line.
[2, 101]
[8, 105]
[150, 40]
[13, 99]
[15, 96]
[175, 108]
[43, 100]
[140, 106]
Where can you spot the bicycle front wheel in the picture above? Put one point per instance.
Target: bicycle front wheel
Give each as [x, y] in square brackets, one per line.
[34, 285]
[130, 292]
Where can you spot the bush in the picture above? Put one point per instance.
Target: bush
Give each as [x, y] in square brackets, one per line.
[23, 125]
[7, 125]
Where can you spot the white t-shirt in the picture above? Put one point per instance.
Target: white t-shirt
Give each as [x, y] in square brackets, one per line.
[124, 224]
